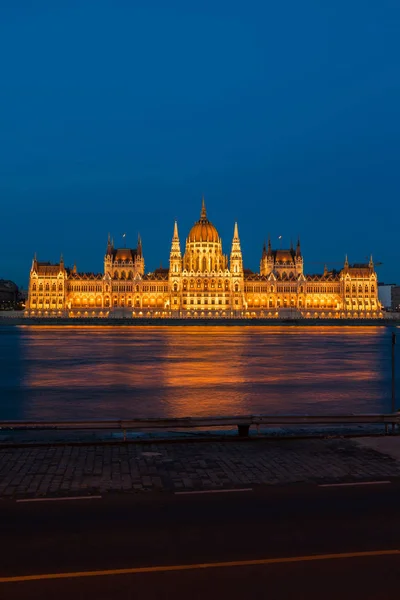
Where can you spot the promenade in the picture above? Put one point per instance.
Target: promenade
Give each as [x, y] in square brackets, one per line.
[62, 470]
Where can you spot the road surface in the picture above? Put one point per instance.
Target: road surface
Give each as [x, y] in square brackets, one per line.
[290, 542]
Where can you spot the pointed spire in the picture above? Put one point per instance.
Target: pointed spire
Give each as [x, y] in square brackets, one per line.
[346, 262]
[61, 259]
[298, 249]
[371, 262]
[175, 246]
[203, 214]
[236, 252]
[264, 250]
[139, 245]
[269, 246]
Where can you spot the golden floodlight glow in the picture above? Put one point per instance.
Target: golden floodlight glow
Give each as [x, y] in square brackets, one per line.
[203, 282]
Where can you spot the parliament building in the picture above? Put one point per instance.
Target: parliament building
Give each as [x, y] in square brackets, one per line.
[203, 283]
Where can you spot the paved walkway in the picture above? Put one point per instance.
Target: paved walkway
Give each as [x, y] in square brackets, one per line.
[68, 470]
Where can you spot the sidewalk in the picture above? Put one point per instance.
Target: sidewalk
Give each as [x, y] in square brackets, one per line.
[92, 469]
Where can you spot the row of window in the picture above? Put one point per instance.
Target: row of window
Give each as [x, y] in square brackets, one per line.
[47, 287]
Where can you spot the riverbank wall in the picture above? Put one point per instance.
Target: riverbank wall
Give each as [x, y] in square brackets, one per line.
[209, 322]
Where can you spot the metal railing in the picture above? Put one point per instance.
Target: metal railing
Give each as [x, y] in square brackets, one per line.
[242, 422]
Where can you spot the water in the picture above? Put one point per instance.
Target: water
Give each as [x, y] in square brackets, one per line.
[60, 373]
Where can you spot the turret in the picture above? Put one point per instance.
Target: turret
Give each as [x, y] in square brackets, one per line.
[267, 259]
[371, 263]
[108, 256]
[175, 256]
[298, 259]
[139, 258]
[298, 249]
[34, 263]
[236, 263]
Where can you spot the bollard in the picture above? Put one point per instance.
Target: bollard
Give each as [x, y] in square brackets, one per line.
[243, 430]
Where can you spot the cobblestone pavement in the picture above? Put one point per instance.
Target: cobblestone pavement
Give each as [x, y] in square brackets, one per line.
[68, 470]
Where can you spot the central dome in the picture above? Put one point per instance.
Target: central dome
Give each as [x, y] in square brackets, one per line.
[203, 230]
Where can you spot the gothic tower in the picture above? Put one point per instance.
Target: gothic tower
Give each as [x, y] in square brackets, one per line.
[175, 256]
[236, 263]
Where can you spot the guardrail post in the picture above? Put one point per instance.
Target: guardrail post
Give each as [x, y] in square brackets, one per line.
[243, 430]
[393, 379]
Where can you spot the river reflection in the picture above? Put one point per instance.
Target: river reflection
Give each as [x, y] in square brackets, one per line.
[121, 372]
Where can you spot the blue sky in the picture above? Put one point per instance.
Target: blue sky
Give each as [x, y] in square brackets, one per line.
[116, 116]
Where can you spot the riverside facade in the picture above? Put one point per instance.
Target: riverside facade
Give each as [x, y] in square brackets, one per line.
[203, 283]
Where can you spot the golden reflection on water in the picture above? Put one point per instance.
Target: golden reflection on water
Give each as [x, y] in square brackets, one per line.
[117, 372]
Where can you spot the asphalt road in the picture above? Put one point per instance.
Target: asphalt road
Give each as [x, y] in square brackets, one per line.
[134, 532]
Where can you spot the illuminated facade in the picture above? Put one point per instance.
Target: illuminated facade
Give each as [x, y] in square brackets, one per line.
[203, 283]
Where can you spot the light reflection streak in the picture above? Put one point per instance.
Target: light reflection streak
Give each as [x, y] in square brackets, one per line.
[120, 372]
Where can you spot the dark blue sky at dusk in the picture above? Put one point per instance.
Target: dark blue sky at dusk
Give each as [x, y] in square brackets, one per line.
[117, 116]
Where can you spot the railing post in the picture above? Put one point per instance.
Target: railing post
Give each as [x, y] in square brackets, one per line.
[393, 379]
[243, 430]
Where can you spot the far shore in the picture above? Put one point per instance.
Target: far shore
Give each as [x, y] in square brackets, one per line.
[209, 322]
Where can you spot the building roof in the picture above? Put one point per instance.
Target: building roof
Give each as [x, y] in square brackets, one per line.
[283, 256]
[124, 254]
[203, 230]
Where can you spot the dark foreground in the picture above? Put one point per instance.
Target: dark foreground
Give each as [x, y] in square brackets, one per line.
[322, 529]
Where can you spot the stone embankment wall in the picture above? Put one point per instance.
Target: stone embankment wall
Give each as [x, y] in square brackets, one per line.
[49, 321]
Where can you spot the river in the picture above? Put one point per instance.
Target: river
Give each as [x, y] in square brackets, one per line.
[122, 372]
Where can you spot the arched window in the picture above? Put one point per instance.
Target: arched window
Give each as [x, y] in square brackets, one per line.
[115, 274]
[53, 287]
[353, 289]
[226, 286]
[60, 287]
[137, 288]
[366, 289]
[34, 287]
[204, 264]
[347, 289]
[236, 287]
[372, 289]
[47, 287]
[175, 287]
[123, 275]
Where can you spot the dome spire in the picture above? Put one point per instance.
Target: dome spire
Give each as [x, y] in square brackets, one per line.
[203, 214]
